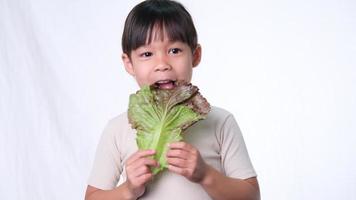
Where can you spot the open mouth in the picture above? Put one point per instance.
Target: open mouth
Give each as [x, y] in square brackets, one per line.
[165, 84]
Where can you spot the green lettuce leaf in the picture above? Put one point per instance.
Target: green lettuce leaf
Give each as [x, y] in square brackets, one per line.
[160, 116]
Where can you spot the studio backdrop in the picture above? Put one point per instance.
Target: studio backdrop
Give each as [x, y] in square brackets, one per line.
[285, 69]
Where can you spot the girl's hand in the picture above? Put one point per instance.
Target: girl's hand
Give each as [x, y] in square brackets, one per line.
[138, 171]
[185, 160]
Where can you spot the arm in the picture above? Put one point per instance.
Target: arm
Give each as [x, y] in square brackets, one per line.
[219, 186]
[118, 193]
[138, 174]
[185, 160]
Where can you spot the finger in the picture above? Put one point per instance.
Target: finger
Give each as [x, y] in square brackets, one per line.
[141, 162]
[192, 152]
[180, 145]
[177, 153]
[141, 180]
[139, 154]
[177, 162]
[140, 171]
[178, 170]
[146, 162]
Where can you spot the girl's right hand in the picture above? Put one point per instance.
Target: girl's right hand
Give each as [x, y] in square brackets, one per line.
[138, 171]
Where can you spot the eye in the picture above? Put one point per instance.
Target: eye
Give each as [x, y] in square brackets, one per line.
[175, 50]
[146, 54]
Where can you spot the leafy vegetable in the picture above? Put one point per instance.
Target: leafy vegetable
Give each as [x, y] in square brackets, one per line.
[160, 116]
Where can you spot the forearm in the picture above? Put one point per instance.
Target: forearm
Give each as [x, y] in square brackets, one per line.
[221, 187]
[119, 193]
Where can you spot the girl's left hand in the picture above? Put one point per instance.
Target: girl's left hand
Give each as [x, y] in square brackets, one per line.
[186, 160]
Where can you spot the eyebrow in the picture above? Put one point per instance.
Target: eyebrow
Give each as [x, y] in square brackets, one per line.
[170, 42]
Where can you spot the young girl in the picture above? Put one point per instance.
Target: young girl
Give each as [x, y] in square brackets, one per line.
[160, 47]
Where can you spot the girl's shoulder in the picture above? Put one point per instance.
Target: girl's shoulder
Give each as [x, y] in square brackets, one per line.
[219, 114]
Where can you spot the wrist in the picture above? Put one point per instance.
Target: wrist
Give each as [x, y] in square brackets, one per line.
[208, 178]
[128, 193]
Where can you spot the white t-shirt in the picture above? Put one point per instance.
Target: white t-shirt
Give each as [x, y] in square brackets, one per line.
[218, 139]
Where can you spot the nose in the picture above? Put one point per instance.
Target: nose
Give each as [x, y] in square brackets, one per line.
[163, 64]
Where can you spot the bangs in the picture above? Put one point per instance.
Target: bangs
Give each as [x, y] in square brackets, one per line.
[148, 23]
[158, 30]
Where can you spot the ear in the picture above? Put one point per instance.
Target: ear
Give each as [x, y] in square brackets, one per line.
[128, 64]
[197, 55]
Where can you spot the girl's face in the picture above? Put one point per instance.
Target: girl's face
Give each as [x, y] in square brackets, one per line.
[162, 62]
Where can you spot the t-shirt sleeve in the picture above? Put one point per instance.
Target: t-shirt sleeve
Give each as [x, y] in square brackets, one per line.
[234, 156]
[107, 168]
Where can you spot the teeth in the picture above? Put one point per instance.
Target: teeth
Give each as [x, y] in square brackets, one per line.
[164, 81]
[165, 84]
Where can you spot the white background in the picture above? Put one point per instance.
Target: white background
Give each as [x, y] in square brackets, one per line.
[285, 69]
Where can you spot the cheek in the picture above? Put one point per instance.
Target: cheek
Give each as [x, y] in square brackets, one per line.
[186, 71]
[142, 78]
[141, 75]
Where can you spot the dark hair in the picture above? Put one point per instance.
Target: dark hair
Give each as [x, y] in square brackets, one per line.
[163, 15]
